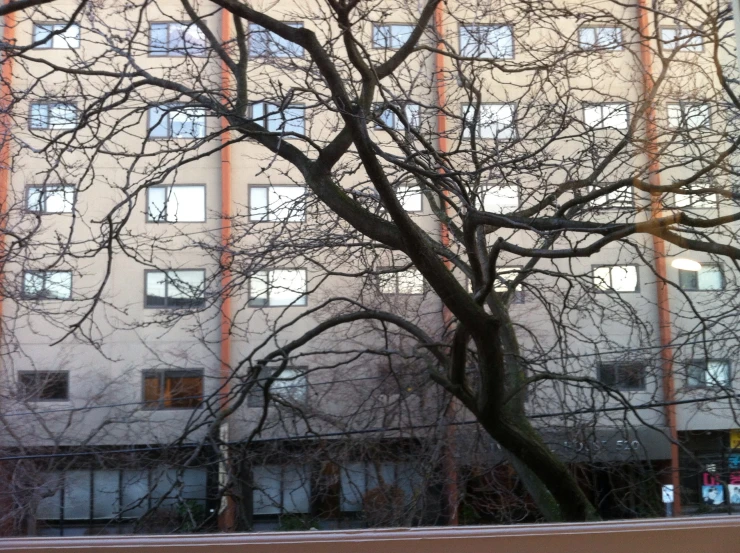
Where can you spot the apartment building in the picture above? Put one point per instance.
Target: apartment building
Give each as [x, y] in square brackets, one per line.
[194, 336]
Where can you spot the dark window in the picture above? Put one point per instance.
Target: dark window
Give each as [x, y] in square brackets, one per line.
[623, 376]
[184, 288]
[290, 386]
[44, 385]
[173, 389]
[708, 372]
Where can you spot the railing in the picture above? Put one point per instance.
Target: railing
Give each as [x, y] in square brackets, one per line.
[681, 535]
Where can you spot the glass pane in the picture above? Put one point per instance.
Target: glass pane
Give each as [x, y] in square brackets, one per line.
[258, 41]
[194, 484]
[258, 112]
[503, 199]
[155, 289]
[185, 391]
[194, 41]
[164, 485]
[400, 34]
[59, 199]
[410, 197]
[293, 120]
[674, 115]
[287, 286]
[41, 32]
[34, 199]
[258, 288]
[410, 282]
[135, 493]
[188, 123]
[59, 284]
[381, 36]
[718, 373]
[62, 116]
[33, 283]
[602, 278]
[710, 278]
[50, 492]
[697, 116]
[296, 489]
[609, 37]
[158, 39]
[291, 385]
[176, 42]
[266, 495]
[287, 203]
[587, 37]
[69, 38]
[157, 202]
[186, 203]
[696, 374]
[413, 115]
[106, 502]
[39, 116]
[668, 37]
[152, 390]
[258, 203]
[615, 116]
[624, 278]
[77, 488]
[353, 486]
[688, 280]
[387, 283]
[159, 122]
[185, 288]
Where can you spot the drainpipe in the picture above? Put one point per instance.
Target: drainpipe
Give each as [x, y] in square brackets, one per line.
[664, 312]
[227, 512]
[450, 466]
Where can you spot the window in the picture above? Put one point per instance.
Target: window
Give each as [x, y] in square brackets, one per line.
[616, 199]
[53, 116]
[504, 276]
[501, 199]
[171, 389]
[606, 116]
[410, 198]
[623, 376]
[280, 489]
[486, 41]
[44, 385]
[266, 44]
[602, 38]
[391, 120]
[291, 386]
[47, 285]
[291, 119]
[182, 288]
[688, 116]
[696, 200]
[494, 121]
[176, 39]
[277, 203]
[709, 277]
[674, 38]
[357, 479]
[58, 36]
[277, 288]
[617, 278]
[409, 282]
[174, 121]
[56, 198]
[176, 204]
[708, 372]
[391, 36]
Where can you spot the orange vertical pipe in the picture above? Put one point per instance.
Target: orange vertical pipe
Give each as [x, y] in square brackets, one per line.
[6, 75]
[664, 311]
[453, 494]
[227, 518]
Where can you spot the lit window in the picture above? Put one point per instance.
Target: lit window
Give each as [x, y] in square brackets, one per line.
[44, 385]
[391, 36]
[688, 116]
[59, 36]
[385, 479]
[280, 489]
[50, 199]
[494, 121]
[172, 389]
[176, 204]
[291, 119]
[501, 199]
[278, 288]
[277, 203]
[606, 116]
[696, 200]
[407, 282]
[616, 199]
[175, 121]
[181, 288]
[410, 198]
[623, 376]
[486, 41]
[176, 39]
[709, 277]
[504, 277]
[617, 278]
[47, 285]
[708, 372]
[602, 38]
[291, 385]
[391, 120]
[53, 116]
[674, 38]
[266, 44]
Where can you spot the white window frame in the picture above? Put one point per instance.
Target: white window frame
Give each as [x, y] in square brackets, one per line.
[274, 119]
[261, 286]
[673, 37]
[391, 36]
[53, 116]
[65, 40]
[606, 115]
[47, 285]
[604, 275]
[473, 43]
[170, 279]
[408, 282]
[39, 198]
[292, 496]
[498, 128]
[182, 40]
[285, 203]
[266, 44]
[708, 373]
[169, 209]
[604, 38]
[689, 115]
